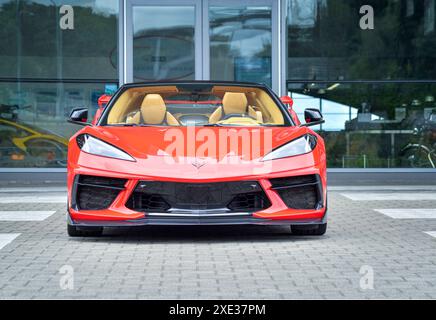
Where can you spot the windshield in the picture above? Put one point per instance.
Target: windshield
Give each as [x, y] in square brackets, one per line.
[195, 105]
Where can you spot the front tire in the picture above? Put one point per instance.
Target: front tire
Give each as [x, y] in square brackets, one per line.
[74, 231]
[309, 230]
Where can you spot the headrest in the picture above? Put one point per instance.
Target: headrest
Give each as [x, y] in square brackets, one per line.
[234, 102]
[251, 97]
[153, 109]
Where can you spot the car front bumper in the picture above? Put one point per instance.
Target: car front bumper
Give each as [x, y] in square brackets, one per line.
[118, 214]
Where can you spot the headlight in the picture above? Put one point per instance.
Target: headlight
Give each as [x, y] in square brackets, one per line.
[302, 145]
[95, 146]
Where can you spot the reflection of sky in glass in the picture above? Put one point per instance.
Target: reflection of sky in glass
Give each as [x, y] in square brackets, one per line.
[247, 36]
[165, 52]
[304, 13]
[99, 6]
[247, 42]
[148, 17]
[335, 114]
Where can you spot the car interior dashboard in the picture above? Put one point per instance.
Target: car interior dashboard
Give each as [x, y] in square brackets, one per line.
[180, 106]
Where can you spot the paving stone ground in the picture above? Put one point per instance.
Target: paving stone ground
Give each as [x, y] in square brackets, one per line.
[231, 262]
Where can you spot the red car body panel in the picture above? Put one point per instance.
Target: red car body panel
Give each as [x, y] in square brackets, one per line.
[151, 166]
[147, 144]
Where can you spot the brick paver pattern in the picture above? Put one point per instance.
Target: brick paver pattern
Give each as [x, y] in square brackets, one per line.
[231, 262]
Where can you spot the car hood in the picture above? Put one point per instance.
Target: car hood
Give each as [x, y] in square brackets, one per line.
[195, 152]
[246, 143]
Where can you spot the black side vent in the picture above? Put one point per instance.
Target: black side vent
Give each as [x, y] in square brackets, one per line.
[102, 181]
[300, 192]
[249, 202]
[97, 193]
[144, 201]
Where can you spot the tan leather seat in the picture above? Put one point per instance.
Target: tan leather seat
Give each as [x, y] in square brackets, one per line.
[234, 104]
[252, 103]
[255, 114]
[153, 111]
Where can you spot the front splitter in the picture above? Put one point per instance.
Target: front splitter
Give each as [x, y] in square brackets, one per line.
[185, 220]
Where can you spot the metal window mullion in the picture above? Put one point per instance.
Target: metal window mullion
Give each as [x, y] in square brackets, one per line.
[121, 41]
[205, 26]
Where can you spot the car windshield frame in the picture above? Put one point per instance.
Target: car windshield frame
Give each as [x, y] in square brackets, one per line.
[287, 119]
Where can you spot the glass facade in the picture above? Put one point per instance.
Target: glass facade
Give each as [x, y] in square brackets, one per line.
[240, 43]
[326, 42]
[371, 125]
[376, 87]
[45, 71]
[163, 43]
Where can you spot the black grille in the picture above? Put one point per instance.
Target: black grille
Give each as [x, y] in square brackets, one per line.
[248, 202]
[97, 193]
[145, 201]
[301, 192]
[157, 196]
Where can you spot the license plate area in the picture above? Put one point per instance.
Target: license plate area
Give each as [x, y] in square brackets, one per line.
[198, 197]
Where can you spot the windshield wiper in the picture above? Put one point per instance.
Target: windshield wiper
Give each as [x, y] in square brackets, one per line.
[129, 125]
[212, 125]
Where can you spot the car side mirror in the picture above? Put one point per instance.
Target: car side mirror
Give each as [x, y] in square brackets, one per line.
[287, 100]
[313, 117]
[103, 101]
[79, 116]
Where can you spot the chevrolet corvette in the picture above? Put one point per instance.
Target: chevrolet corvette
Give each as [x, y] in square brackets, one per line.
[196, 153]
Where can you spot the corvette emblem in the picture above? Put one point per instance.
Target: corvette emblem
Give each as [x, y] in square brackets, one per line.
[198, 163]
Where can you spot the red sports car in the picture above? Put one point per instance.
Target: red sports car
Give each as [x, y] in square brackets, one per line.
[196, 153]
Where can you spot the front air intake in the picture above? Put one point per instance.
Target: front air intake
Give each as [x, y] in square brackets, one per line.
[96, 193]
[217, 197]
[300, 192]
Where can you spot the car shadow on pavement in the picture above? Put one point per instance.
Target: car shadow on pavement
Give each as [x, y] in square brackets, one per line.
[205, 234]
